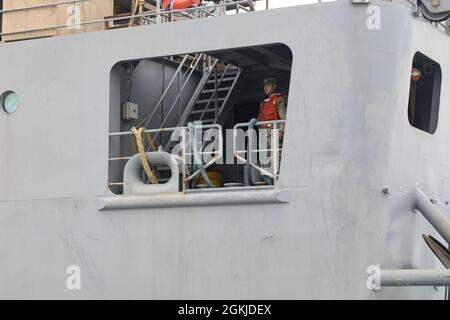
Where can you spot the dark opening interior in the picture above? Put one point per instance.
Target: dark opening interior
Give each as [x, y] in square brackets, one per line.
[424, 97]
[144, 82]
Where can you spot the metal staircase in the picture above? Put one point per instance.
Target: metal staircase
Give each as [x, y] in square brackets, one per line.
[210, 99]
[208, 103]
[212, 94]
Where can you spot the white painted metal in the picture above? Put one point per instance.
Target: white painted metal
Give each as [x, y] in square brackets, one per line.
[347, 137]
[407, 278]
[132, 176]
[198, 199]
[436, 218]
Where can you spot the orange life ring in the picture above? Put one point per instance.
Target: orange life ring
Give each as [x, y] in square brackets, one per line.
[179, 4]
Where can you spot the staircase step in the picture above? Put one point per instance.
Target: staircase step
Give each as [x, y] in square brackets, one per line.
[229, 71]
[201, 111]
[223, 80]
[207, 100]
[219, 90]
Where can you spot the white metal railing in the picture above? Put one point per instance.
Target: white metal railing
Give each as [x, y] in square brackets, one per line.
[270, 169]
[186, 149]
[155, 16]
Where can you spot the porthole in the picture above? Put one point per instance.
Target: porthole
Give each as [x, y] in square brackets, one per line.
[9, 102]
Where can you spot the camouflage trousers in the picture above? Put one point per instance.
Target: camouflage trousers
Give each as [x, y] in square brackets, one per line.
[266, 143]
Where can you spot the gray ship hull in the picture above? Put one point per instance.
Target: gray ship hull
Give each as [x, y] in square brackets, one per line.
[347, 138]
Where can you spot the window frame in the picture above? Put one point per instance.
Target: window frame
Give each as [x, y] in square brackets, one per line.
[434, 109]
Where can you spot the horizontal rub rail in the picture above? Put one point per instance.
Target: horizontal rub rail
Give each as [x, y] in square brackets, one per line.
[198, 199]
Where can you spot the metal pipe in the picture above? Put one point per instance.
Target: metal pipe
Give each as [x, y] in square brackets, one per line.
[415, 278]
[400, 278]
[250, 152]
[434, 216]
[178, 98]
[169, 86]
[259, 123]
[158, 11]
[129, 133]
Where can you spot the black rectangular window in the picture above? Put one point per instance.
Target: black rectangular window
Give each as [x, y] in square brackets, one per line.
[424, 94]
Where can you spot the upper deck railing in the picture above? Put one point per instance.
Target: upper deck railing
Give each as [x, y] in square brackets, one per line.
[156, 16]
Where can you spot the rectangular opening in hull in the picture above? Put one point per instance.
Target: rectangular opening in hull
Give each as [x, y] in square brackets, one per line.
[210, 95]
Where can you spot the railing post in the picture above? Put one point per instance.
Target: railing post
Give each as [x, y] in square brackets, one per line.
[183, 141]
[274, 151]
[158, 11]
[216, 94]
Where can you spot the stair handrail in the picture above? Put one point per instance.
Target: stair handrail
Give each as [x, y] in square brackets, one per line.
[190, 73]
[148, 118]
[196, 94]
[227, 98]
[215, 91]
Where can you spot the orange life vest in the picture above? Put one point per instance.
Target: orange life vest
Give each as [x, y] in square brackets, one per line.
[179, 4]
[268, 110]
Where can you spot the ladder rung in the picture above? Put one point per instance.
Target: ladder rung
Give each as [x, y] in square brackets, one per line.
[223, 80]
[207, 100]
[201, 111]
[219, 90]
[230, 70]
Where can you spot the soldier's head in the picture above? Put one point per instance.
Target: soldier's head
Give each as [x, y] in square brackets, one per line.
[270, 86]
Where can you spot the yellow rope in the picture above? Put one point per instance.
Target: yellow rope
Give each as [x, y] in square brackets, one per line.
[140, 146]
[134, 145]
[149, 141]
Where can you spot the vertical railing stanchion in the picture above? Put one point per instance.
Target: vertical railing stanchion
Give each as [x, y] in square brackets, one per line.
[274, 151]
[158, 11]
[184, 164]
